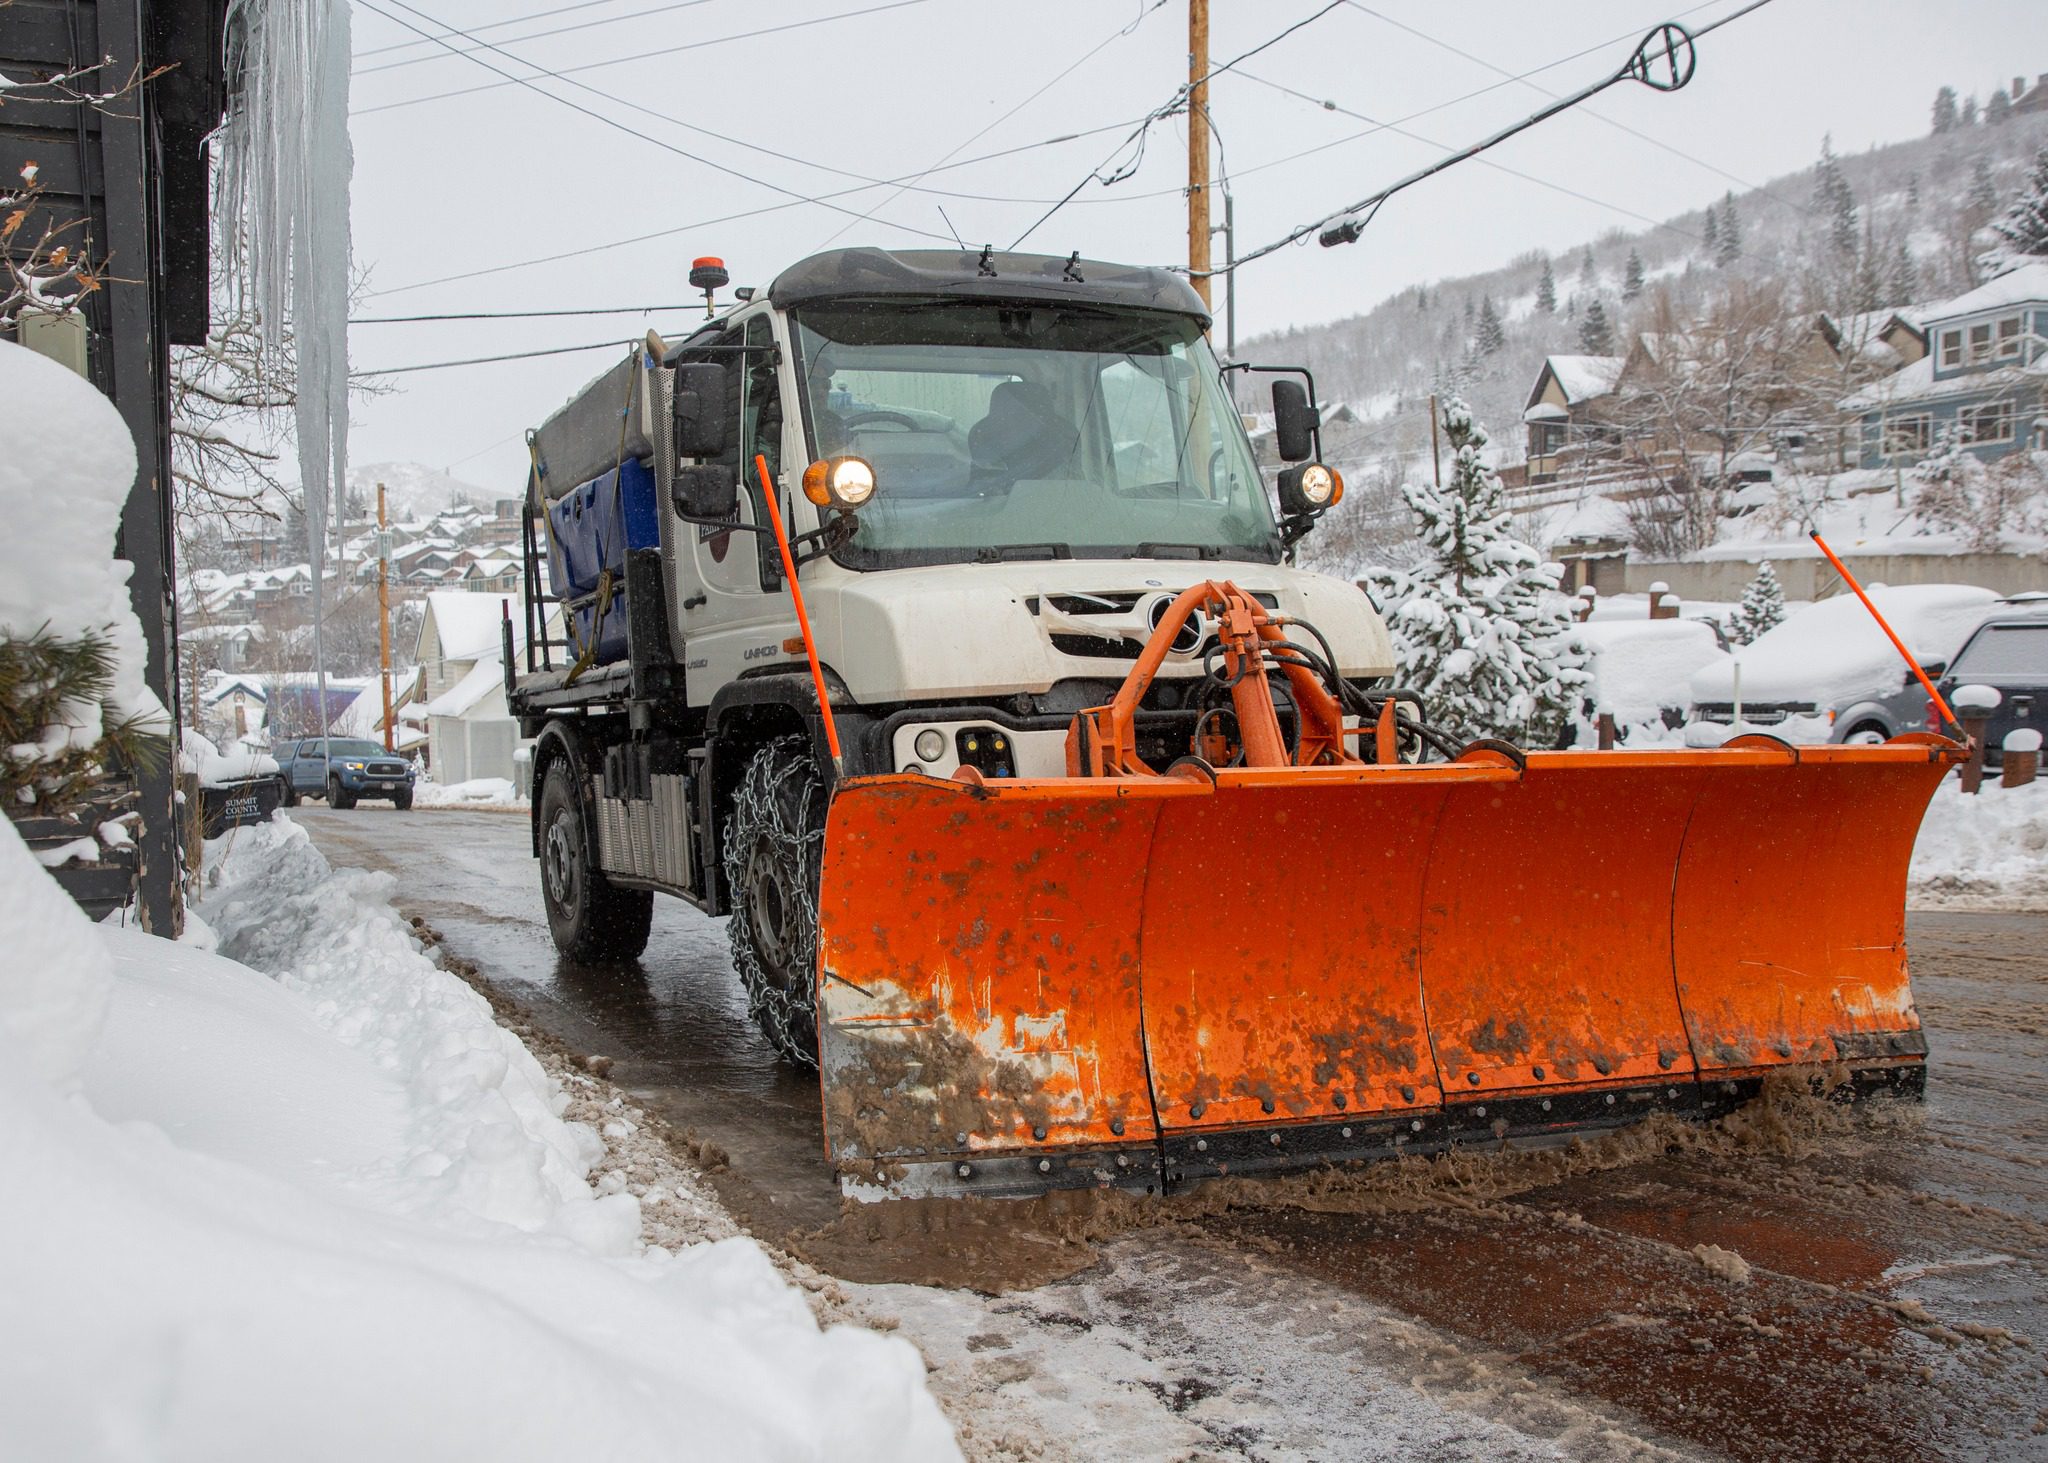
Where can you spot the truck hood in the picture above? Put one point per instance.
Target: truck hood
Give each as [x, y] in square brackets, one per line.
[979, 630]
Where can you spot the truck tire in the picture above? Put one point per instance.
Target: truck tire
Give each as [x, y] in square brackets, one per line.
[774, 845]
[287, 794]
[592, 921]
[339, 796]
[402, 800]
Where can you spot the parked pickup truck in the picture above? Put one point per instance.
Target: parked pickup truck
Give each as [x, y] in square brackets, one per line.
[342, 771]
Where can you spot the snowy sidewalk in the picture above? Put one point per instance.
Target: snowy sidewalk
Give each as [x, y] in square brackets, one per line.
[312, 1201]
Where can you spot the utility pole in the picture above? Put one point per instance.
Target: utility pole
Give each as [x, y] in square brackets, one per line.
[1198, 147]
[384, 614]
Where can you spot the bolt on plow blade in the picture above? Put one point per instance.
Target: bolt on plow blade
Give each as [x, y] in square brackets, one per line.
[1088, 982]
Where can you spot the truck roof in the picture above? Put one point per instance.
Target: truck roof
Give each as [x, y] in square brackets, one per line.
[841, 274]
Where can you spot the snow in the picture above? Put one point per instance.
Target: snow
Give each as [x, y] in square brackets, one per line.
[487, 792]
[469, 624]
[65, 473]
[472, 688]
[330, 1212]
[1916, 383]
[1987, 849]
[1833, 654]
[1583, 378]
[1975, 698]
[1641, 667]
[2021, 739]
[2026, 284]
[216, 768]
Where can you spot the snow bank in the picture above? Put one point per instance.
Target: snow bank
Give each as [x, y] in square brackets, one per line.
[65, 472]
[1833, 654]
[334, 1215]
[1989, 850]
[215, 768]
[1642, 666]
[479, 792]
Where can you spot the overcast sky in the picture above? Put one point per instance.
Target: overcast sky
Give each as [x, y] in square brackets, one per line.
[450, 185]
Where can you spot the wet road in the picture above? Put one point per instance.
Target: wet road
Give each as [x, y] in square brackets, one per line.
[1800, 1283]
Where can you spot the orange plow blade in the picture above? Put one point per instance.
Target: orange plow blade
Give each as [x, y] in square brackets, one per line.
[1142, 981]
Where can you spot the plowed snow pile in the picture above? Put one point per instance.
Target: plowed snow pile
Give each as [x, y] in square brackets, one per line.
[1986, 851]
[312, 1202]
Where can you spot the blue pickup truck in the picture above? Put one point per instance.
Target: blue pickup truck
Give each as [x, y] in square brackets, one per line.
[342, 771]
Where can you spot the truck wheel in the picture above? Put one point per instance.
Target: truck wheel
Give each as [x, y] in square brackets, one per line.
[289, 795]
[592, 921]
[774, 844]
[402, 800]
[338, 796]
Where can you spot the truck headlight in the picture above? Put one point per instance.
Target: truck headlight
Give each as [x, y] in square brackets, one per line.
[353, 766]
[1310, 488]
[840, 482]
[931, 744]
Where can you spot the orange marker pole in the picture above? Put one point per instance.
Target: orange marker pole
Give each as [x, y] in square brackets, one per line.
[1948, 716]
[803, 620]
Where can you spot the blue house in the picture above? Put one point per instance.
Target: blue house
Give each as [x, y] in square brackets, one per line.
[1982, 377]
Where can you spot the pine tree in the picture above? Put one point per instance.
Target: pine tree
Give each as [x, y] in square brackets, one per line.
[2023, 230]
[1478, 627]
[1945, 110]
[1595, 336]
[1834, 197]
[1710, 233]
[1999, 108]
[1902, 284]
[1546, 291]
[1913, 190]
[1489, 336]
[1762, 607]
[1983, 189]
[1730, 249]
[1969, 117]
[1632, 278]
[1586, 270]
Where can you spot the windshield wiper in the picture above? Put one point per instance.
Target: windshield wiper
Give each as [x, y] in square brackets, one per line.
[997, 553]
[1176, 551]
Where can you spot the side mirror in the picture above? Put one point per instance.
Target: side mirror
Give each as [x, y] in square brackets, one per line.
[700, 415]
[1294, 422]
[1934, 668]
[706, 494]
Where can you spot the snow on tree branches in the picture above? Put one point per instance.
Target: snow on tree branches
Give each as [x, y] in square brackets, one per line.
[2023, 230]
[1957, 491]
[1479, 628]
[1762, 607]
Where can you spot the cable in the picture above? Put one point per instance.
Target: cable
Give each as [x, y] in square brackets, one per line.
[636, 56]
[560, 30]
[617, 125]
[720, 219]
[560, 350]
[1588, 111]
[492, 25]
[1167, 108]
[1086, 57]
[517, 314]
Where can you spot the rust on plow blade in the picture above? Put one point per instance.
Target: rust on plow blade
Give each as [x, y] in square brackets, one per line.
[1144, 981]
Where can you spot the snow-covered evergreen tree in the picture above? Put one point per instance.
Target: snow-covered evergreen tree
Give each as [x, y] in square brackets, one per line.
[1596, 338]
[1729, 248]
[1479, 628]
[1983, 188]
[1587, 274]
[1969, 116]
[1546, 291]
[1902, 283]
[1632, 277]
[2023, 230]
[1489, 335]
[1762, 607]
[1833, 196]
[1999, 108]
[1945, 110]
[1710, 231]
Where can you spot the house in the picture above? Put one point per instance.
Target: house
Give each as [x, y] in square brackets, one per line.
[471, 732]
[2029, 99]
[1982, 377]
[493, 576]
[1562, 414]
[1881, 338]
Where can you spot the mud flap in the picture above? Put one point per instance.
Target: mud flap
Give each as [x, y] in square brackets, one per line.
[1130, 981]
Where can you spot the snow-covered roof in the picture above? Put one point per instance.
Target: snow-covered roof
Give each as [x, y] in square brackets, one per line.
[472, 688]
[1581, 378]
[1916, 383]
[467, 623]
[2027, 283]
[1544, 411]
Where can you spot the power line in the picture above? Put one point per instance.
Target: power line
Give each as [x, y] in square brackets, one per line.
[560, 30]
[1171, 105]
[492, 25]
[705, 223]
[1601, 117]
[518, 314]
[636, 56]
[613, 122]
[560, 350]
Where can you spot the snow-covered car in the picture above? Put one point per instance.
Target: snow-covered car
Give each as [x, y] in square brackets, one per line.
[1642, 673]
[2009, 653]
[1828, 674]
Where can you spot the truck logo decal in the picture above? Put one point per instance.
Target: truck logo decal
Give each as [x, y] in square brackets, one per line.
[760, 652]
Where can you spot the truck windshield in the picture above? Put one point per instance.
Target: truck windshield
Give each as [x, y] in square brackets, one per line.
[1014, 431]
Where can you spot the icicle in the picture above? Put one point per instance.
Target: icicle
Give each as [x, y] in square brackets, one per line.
[284, 184]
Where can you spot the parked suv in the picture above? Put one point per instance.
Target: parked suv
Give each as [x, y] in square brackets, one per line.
[2009, 653]
[342, 770]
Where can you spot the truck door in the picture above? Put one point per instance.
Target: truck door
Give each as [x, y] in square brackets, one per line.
[740, 615]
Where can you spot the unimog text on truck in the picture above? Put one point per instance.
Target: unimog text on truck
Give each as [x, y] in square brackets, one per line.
[1111, 853]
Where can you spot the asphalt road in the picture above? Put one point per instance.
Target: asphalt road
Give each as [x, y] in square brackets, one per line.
[1799, 1283]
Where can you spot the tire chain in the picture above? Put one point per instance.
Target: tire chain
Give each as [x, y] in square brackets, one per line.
[781, 781]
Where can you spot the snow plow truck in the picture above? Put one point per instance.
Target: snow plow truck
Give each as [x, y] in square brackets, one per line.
[928, 614]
